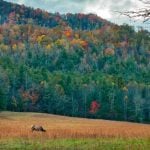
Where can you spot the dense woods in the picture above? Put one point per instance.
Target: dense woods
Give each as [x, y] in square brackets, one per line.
[74, 64]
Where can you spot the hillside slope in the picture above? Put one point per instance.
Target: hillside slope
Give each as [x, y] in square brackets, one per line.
[75, 64]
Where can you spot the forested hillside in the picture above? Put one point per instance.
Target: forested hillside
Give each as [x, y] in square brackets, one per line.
[26, 15]
[74, 64]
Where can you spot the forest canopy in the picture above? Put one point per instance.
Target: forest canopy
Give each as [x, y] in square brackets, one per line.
[74, 64]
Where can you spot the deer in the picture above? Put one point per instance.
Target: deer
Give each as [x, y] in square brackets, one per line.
[37, 128]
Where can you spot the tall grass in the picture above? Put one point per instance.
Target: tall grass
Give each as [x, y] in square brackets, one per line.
[18, 125]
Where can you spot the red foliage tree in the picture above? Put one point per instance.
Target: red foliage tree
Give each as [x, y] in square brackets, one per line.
[94, 107]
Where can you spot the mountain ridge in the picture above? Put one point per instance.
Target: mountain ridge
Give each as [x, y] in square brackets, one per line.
[24, 15]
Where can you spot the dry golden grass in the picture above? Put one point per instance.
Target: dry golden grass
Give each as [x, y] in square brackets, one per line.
[16, 125]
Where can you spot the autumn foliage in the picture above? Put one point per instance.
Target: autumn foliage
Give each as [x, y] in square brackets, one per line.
[94, 107]
[68, 32]
[65, 63]
[109, 52]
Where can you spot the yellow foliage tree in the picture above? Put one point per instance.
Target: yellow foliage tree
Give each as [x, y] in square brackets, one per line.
[4, 47]
[14, 47]
[40, 38]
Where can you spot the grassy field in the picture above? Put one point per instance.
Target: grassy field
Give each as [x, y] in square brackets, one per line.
[70, 133]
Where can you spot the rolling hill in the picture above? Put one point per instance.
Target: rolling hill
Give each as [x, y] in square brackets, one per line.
[78, 65]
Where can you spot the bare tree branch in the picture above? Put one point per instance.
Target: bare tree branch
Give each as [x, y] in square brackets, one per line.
[143, 12]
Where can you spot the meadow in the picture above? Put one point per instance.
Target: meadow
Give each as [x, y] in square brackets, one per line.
[70, 133]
